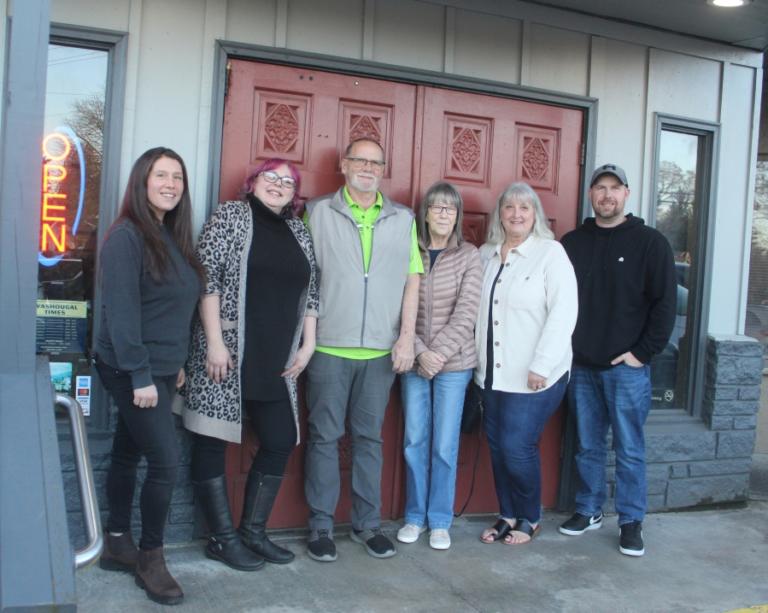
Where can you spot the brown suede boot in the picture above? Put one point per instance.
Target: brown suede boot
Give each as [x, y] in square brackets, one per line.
[119, 553]
[153, 576]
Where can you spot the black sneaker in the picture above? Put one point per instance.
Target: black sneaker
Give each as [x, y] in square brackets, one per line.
[578, 523]
[631, 541]
[321, 547]
[375, 542]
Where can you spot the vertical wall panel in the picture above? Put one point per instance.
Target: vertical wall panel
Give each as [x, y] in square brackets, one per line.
[557, 59]
[251, 21]
[334, 27]
[409, 34]
[487, 47]
[734, 202]
[683, 85]
[4, 9]
[618, 81]
[168, 93]
[112, 15]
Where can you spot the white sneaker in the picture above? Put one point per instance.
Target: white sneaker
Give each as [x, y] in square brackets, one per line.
[439, 539]
[410, 533]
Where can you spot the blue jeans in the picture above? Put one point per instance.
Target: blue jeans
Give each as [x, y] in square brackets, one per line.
[619, 397]
[513, 424]
[431, 445]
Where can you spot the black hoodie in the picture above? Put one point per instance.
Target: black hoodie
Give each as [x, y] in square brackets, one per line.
[627, 291]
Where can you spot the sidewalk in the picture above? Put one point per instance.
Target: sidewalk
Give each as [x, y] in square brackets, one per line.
[698, 562]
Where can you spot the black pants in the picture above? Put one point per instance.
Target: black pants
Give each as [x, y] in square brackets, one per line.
[273, 423]
[148, 432]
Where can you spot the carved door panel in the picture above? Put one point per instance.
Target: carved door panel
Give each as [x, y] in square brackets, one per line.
[481, 144]
[309, 117]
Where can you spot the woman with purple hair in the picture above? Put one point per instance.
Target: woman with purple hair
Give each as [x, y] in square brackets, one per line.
[254, 336]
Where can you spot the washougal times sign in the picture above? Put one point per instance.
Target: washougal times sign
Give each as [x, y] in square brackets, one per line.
[63, 193]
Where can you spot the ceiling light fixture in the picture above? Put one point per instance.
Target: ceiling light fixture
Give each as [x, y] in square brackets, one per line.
[728, 3]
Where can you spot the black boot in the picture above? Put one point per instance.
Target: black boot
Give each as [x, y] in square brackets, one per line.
[224, 544]
[260, 494]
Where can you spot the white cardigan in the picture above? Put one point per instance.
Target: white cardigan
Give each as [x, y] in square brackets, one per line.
[534, 314]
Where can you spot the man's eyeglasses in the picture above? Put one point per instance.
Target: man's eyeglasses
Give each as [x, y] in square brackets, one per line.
[437, 209]
[273, 177]
[358, 163]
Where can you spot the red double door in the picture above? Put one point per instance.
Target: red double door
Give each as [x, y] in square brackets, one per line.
[480, 143]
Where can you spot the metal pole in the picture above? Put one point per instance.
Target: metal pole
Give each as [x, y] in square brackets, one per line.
[36, 563]
[92, 549]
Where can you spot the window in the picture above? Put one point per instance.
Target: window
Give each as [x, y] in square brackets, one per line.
[73, 180]
[756, 322]
[683, 171]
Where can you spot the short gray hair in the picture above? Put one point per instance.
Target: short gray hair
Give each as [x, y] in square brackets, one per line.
[520, 192]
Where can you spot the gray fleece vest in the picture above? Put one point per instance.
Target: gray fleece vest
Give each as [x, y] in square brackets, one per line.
[359, 309]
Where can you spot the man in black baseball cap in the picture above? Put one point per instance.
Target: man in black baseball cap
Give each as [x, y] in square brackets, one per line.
[627, 295]
[609, 169]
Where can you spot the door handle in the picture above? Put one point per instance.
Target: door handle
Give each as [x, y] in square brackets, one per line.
[86, 485]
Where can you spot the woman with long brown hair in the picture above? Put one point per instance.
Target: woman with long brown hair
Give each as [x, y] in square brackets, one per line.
[150, 282]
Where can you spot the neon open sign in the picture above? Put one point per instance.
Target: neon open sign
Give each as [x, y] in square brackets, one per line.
[61, 195]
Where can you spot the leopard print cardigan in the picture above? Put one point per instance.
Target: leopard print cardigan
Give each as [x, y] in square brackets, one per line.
[215, 409]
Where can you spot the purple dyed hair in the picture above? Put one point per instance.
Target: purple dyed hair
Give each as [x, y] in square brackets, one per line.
[292, 208]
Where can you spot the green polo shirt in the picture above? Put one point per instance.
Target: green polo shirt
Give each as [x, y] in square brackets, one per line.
[365, 219]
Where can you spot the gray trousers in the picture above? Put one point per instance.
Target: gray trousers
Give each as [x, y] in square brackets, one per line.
[339, 388]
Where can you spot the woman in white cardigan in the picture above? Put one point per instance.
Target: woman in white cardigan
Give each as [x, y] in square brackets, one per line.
[527, 314]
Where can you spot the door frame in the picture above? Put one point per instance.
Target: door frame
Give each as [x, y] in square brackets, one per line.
[226, 50]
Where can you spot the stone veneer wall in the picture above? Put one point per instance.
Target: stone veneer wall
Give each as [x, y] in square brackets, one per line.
[707, 460]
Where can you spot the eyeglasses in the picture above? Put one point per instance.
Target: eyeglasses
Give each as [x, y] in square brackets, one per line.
[358, 163]
[437, 209]
[273, 177]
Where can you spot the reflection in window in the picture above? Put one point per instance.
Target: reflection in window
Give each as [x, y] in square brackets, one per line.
[756, 323]
[72, 151]
[677, 217]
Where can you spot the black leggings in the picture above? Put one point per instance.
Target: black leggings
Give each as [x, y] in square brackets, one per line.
[273, 423]
[140, 432]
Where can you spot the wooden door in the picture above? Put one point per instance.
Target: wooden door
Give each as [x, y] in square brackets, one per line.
[481, 144]
[309, 117]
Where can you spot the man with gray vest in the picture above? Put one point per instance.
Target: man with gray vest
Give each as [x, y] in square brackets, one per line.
[369, 262]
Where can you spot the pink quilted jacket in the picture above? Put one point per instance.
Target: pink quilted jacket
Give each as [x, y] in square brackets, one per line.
[449, 296]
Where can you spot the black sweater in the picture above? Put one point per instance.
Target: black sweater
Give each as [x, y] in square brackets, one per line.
[278, 273]
[145, 325]
[627, 291]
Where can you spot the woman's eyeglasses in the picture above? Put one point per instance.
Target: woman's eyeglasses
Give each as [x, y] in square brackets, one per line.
[273, 177]
[437, 209]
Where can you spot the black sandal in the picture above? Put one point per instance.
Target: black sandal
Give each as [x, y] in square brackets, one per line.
[502, 528]
[524, 526]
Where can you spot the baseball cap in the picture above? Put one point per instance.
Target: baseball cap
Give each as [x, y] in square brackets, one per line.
[609, 169]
